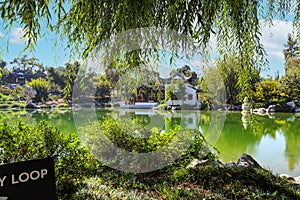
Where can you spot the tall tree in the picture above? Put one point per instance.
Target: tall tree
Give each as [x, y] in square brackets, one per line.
[228, 71]
[87, 24]
[188, 73]
[2, 65]
[57, 77]
[239, 81]
[72, 70]
[103, 89]
[291, 48]
[29, 65]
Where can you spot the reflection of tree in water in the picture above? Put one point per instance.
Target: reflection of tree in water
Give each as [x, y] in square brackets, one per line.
[235, 140]
[143, 120]
[263, 125]
[171, 123]
[147, 121]
[292, 141]
[62, 120]
[12, 116]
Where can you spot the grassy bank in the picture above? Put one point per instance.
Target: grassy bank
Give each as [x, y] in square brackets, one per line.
[203, 183]
[79, 175]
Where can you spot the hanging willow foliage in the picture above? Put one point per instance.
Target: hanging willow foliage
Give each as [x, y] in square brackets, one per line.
[86, 24]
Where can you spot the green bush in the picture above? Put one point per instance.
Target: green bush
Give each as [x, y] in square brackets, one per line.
[5, 91]
[20, 142]
[4, 106]
[42, 88]
[17, 105]
[129, 135]
[2, 97]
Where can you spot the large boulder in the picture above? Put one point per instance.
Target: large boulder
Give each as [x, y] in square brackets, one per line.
[244, 161]
[247, 161]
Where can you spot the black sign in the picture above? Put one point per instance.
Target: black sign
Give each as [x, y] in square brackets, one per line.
[30, 180]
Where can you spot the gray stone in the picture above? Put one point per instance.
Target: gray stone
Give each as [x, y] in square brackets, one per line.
[218, 163]
[247, 161]
[231, 165]
[287, 177]
[204, 162]
[196, 163]
[293, 180]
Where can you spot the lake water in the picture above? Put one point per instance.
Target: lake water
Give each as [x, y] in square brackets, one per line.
[274, 141]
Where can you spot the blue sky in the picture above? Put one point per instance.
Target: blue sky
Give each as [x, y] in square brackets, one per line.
[273, 39]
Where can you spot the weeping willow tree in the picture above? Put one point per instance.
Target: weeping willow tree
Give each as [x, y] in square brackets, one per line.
[88, 24]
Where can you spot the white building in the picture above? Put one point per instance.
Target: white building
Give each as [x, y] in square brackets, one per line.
[188, 97]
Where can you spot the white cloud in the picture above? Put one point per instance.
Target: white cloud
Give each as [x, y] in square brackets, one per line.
[274, 37]
[1, 35]
[17, 36]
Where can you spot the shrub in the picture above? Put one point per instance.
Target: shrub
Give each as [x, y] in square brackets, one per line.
[4, 106]
[21, 142]
[128, 135]
[17, 105]
[42, 88]
[5, 91]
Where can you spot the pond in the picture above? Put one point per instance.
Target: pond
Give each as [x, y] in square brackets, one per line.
[274, 140]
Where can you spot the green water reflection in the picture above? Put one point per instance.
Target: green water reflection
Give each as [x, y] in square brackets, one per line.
[273, 140]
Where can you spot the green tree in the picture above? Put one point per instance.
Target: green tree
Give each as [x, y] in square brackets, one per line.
[289, 87]
[291, 56]
[235, 23]
[102, 89]
[292, 66]
[186, 71]
[72, 70]
[42, 88]
[267, 91]
[212, 88]
[2, 66]
[228, 71]
[170, 91]
[29, 65]
[239, 81]
[291, 48]
[57, 78]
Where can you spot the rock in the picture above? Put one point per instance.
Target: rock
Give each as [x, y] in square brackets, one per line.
[218, 163]
[287, 177]
[297, 180]
[247, 161]
[196, 163]
[293, 180]
[204, 162]
[231, 165]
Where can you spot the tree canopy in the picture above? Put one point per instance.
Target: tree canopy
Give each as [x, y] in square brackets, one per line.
[86, 24]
